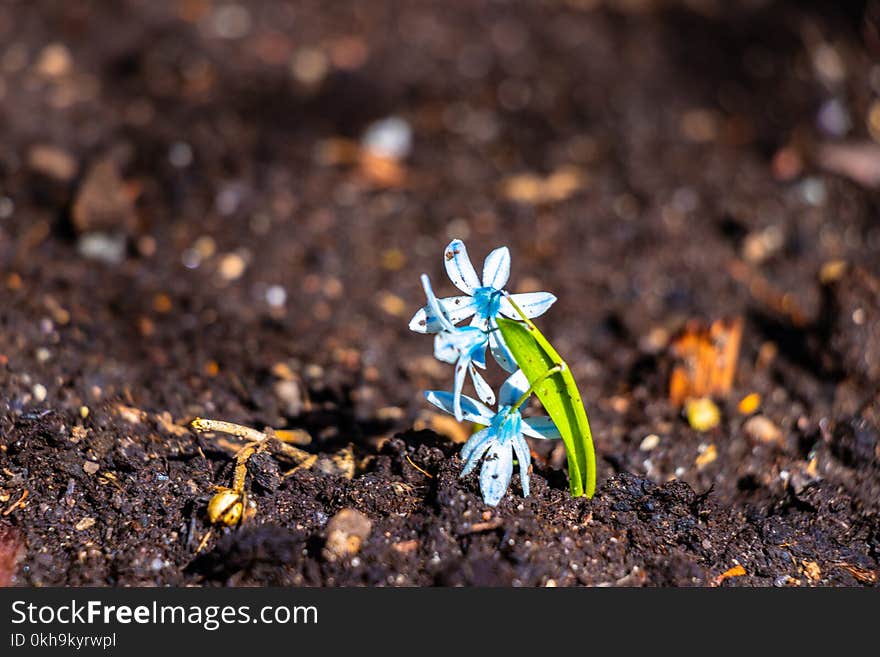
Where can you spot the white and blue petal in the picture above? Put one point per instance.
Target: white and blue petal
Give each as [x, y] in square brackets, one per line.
[484, 390]
[540, 427]
[477, 351]
[496, 473]
[472, 410]
[500, 352]
[533, 304]
[524, 456]
[513, 389]
[474, 449]
[459, 268]
[496, 268]
[461, 342]
[433, 308]
[455, 308]
[447, 347]
[461, 370]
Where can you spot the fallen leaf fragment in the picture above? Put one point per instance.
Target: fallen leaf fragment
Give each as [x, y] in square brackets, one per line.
[130, 414]
[705, 358]
[863, 575]
[811, 570]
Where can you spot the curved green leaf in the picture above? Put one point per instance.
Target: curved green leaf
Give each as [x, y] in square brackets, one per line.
[554, 385]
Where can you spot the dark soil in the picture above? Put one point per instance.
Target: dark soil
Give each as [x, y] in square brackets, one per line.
[186, 143]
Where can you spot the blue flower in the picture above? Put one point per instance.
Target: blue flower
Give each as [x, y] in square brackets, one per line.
[462, 346]
[503, 437]
[484, 300]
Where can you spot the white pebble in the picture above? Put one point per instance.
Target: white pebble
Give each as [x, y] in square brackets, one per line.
[649, 442]
[391, 137]
[276, 295]
[180, 154]
[40, 392]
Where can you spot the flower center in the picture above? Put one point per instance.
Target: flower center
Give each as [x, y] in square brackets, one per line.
[506, 424]
[488, 301]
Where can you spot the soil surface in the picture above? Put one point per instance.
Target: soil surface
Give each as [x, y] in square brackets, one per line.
[192, 225]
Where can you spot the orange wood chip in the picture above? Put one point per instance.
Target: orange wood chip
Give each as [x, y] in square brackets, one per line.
[705, 359]
[736, 571]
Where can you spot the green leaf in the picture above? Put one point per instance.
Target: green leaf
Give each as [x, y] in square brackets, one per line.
[558, 393]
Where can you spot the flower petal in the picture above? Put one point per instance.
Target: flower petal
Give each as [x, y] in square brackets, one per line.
[533, 304]
[460, 342]
[496, 268]
[521, 447]
[474, 449]
[472, 410]
[458, 266]
[434, 308]
[496, 473]
[478, 353]
[447, 347]
[500, 351]
[512, 389]
[540, 427]
[461, 369]
[484, 390]
[456, 309]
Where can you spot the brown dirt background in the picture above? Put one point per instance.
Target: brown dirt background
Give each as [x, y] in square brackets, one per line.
[721, 153]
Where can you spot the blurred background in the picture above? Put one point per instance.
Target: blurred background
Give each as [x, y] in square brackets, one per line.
[216, 207]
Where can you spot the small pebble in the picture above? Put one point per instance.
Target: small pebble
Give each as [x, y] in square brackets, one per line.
[276, 296]
[231, 21]
[649, 442]
[232, 266]
[90, 467]
[290, 396]
[53, 162]
[761, 428]
[102, 247]
[750, 403]
[391, 138]
[309, 66]
[346, 532]
[54, 61]
[834, 118]
[702, 414]
[84, 524]
[7, 207]
[40, 392]
[785, 580]
[180, 155]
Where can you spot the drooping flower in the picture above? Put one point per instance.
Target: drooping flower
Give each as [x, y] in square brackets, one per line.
[462, 346]
[502, 439]
[483, 299]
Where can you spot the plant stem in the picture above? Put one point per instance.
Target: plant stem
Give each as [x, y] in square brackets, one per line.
[528, 393]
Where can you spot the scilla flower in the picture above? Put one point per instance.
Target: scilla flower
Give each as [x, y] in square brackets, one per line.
[503, 437]
[483, 299]
[462, 346]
